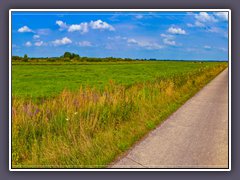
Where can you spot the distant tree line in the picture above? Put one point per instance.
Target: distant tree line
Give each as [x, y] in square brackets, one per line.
[71, 57]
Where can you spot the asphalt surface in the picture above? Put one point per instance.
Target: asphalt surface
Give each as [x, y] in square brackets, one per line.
[195, 136]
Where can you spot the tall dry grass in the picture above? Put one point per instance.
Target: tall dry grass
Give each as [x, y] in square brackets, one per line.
[89, 128]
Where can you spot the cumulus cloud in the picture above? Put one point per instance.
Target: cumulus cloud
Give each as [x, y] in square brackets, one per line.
[205, 17]
[83, 27]
[222, 15]
[202, 18]
[36, 36]
[62, 25]
[63, 41]
[24, 29]
[99, 24]
[85, 43]
[196, 24]
[208, 21]
[145, 44]
[168, 39]
[174, 30]
[28, 44]
[38, 43]
[169, 42]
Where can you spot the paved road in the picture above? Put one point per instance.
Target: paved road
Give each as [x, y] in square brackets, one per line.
[195, 136]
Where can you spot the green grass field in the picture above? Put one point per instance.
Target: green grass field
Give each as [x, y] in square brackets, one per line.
[39, 81]
[89, 114]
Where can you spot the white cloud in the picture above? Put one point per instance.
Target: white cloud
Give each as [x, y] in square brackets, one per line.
[199, 24]
[85, 43]
[117, 38]
[222, 15]
[166, 36]
[83, 27]
[39, 43]
[223, 49]
[174, 30]
[205, 17]
[196, 24]
[207, 47]
[63, 41]
[201, 19]
[24, 29]
[131, 40]
[168, 39]
[169, 42]
[145, 44]
[62, 25]
[99, 24]
[36, 36]
[43, 31]
[28, 44]
[139, 16]
[214, 30]
[190, 25]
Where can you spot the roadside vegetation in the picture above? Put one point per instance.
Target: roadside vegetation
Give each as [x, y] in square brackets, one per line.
[89, 124]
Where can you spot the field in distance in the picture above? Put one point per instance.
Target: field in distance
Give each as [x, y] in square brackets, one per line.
[84, 115]
[38, 80]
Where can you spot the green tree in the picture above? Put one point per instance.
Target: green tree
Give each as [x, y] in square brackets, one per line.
[25, 57]
[67, 55]
[16, 58]
[75, 56]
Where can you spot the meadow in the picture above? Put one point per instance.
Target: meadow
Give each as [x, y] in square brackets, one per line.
[44, 80]
[84, 115]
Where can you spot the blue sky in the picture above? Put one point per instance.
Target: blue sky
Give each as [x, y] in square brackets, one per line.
[160, 35]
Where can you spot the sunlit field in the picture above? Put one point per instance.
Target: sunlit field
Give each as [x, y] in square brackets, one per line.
[84, 115]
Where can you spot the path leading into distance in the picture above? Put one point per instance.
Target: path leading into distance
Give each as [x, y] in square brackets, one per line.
[195, 136]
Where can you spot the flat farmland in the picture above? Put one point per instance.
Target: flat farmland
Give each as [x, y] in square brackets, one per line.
[84, 115]
[48, 80]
